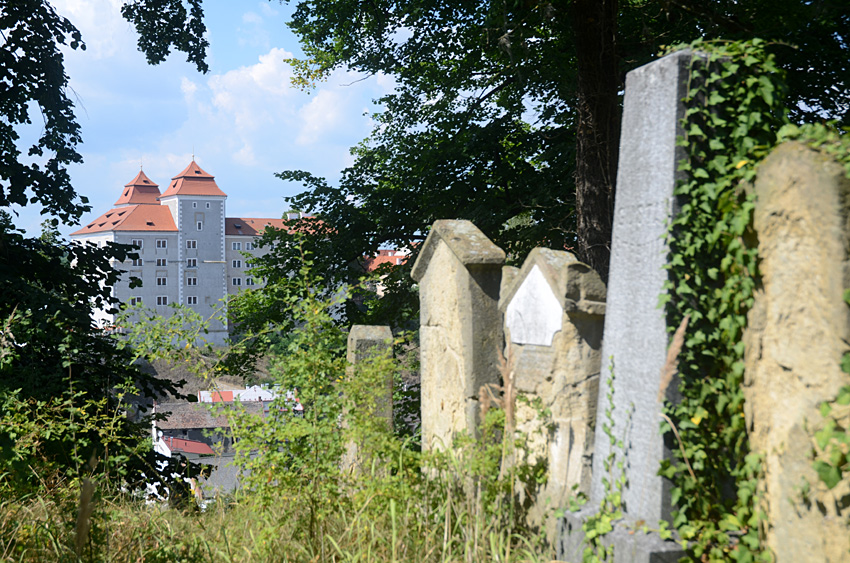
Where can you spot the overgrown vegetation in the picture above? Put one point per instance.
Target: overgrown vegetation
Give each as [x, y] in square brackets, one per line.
[331, 482]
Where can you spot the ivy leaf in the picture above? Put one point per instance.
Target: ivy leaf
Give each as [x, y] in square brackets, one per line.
[830, 475]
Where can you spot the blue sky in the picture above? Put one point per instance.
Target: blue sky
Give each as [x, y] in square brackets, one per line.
[242, 119]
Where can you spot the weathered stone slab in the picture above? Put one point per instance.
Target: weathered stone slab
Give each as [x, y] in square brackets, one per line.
[554, 313]
[459, 273]
[799, 328]
[366, 342]
[635, 336]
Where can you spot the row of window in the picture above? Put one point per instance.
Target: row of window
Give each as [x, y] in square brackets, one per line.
[164, 281]
[163, 300]
[190, 263]
[190, 244]
[190, 299]
[195, 204]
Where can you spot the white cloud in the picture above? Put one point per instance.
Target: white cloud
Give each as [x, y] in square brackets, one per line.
[320, 116]
[187, 87]
[105, 32]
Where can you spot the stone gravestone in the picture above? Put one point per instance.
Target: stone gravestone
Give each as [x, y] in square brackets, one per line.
[458, 271]
[635, 336]
[554, 309]
[797, 333]
[366, 342]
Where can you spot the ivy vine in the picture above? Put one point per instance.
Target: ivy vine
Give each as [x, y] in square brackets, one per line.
[734, 110]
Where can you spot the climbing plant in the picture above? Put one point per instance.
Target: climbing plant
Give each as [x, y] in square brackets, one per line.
[735, 107]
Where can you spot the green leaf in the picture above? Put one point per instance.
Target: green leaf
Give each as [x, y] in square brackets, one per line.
[828, 474]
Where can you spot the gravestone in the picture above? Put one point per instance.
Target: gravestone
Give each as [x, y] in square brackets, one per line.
[459, 272]
[635, 335]
[364, 343]
[554, 309]
[798, 330]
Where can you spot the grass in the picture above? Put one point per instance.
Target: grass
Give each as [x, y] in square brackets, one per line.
[240, 529]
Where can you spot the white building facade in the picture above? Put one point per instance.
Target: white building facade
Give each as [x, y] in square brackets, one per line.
[190, 252]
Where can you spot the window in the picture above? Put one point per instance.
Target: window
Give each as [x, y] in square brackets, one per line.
[236, 281]
[137, 242]
[192, 300]
[237, 263]
[192, 263]
[249, 264]
[194, 204]
[249, 281]
[200, 225]
[138, 262]
[191, 281]
[236, 246]
[208, 205]
[249, 246]
[191, 244]
[161, 281]
[162, 300]
[162, 261]
[161, 243]
[135, 301]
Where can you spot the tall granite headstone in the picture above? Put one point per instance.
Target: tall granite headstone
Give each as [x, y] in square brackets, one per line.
[798, 330]
[635, 335]
[458, 271]
[554, 309]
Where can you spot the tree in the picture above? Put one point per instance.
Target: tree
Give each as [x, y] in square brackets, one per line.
[56, 367]
[49, 287]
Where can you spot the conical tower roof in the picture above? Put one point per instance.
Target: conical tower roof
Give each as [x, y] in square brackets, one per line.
[140, 190]
[193, 181]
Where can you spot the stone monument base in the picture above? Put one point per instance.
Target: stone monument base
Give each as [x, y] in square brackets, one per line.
[630, 546]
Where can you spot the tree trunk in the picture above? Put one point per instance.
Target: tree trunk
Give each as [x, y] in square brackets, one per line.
[597, 129]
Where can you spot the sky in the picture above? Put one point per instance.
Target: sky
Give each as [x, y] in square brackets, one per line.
[242, 120]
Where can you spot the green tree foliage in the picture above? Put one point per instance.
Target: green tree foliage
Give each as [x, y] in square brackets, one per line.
[496, 101]
[56, 366]
[507, 113]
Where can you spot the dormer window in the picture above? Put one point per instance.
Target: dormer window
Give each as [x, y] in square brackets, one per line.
[237, 225]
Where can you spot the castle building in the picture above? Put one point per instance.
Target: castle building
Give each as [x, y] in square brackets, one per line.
[189, 251]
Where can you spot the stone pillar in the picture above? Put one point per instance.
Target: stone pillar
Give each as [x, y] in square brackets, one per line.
[458, 271]
[365, 342]
[554, 311]
[635, 335]
[798, 331]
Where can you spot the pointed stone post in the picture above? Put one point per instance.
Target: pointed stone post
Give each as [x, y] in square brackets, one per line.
[458, 271]
[554, 308]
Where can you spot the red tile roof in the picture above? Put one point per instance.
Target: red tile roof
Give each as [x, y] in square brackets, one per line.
[193, 181]
[156, 218]
[392, 257]
[188, 446]
[249, 226]
[140, 190]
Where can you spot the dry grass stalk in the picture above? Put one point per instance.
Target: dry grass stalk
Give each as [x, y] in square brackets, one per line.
[671, 364]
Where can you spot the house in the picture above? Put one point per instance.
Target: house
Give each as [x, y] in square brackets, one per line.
[189, 251]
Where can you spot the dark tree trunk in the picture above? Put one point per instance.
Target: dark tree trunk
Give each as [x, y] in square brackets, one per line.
[597, 130]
